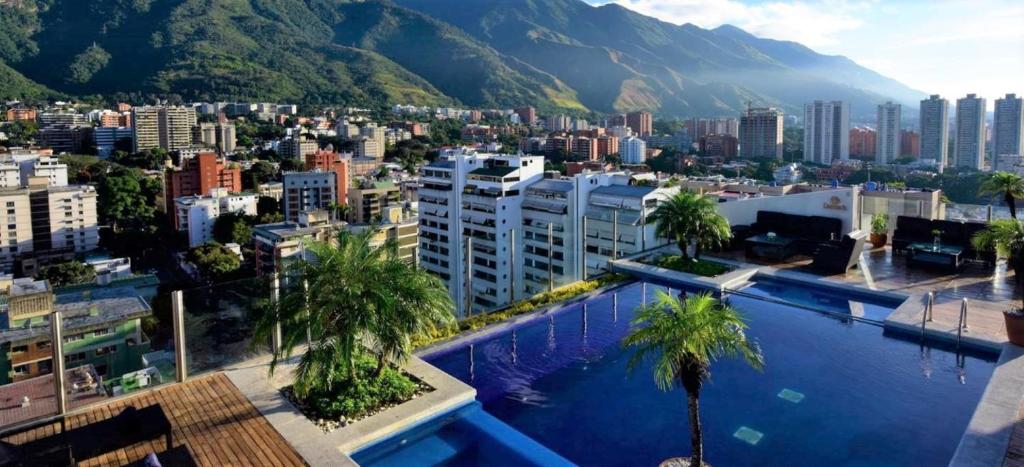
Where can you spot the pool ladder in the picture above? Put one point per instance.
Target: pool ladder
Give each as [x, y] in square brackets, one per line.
[928, 316]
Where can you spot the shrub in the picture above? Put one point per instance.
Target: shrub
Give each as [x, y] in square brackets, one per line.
[519, 308]
[354, 400]
[698, 267]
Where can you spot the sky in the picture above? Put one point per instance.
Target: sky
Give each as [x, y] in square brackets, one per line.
[948, 47]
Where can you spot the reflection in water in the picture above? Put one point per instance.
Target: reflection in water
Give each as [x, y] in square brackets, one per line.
[615, 308]
[472, 364]
[551, 334]
[515, 349]
[926, 361]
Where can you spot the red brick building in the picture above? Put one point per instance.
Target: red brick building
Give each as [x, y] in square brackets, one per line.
[331, 162]
[527, 115]
[862, 142]
[584, 148]
[197, 176]
[910, 143]
[607, 145]
[725, 146]
[642, 123]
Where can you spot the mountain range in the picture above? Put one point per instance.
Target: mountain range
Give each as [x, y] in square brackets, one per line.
[558, 55]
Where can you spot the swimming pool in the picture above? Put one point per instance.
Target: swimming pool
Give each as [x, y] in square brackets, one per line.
[834, 391]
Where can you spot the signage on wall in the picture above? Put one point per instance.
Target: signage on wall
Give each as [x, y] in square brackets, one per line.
[835, 203]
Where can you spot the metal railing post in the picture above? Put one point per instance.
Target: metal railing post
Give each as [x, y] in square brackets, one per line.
[178, 320]
[275, 297]
[57, 346]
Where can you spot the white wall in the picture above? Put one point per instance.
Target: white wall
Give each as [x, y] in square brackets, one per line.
[744, 211]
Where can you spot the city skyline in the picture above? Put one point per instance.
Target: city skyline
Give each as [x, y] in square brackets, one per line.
[877, 35]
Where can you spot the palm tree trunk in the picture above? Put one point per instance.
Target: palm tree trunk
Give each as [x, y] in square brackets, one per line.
[696, 435]
[1012, 204]
[381, 362]
[696, 251]
[682, 248]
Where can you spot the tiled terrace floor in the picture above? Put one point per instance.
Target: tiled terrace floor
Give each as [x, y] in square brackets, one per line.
[216, 423]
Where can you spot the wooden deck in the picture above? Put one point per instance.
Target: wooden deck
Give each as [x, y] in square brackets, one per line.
[216, 423]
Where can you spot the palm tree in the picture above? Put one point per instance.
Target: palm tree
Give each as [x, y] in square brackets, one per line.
[345, 295]
[684, 337]
[1006, 237]
[689, 217]
[1008, 185]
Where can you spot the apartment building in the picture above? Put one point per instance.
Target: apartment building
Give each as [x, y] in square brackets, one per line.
[1008, 128]
[220, 136]
[16, 237]
[616, 222]
[633, 150]
[196, 214]
[65, 138]
[470, 210]
[761, 133]
[19, 169]
[826, 131]
[887, 142]
[308, 191]
[165, 127]
[369, 199]
[398, 225]
[15, 114]
[106, 139]
[101, 328]
[969, 145]
[198, 176]
[934, 121]
[297, 147]
[280, 242]
[328, 161]
[642, 123]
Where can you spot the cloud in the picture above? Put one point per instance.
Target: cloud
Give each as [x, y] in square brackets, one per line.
[814, 24]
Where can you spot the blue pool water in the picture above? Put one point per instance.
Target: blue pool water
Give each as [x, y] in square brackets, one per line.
[834, 392]
[857, 305]
[468, 436]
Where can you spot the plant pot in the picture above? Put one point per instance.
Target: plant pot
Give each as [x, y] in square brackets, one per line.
[878, 240]
[1014, 327]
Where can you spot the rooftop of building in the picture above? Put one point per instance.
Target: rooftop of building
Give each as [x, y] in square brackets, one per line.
[494, 171]
[286, 230]
[626, 191]
[84, 309]
[559, 186]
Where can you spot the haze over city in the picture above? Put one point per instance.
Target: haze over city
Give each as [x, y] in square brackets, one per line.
[949, 47]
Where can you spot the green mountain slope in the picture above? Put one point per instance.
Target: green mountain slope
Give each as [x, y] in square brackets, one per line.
[554, 54]
[617, 59]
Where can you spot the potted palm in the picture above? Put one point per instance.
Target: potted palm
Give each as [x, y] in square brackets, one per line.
[1006, 237]
[879, 230]
[684, 336]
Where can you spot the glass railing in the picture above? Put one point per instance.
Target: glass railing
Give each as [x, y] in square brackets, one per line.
[976, 212]
[220, 321]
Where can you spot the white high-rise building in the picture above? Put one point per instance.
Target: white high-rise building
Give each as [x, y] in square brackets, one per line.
[969, 148]
[470, 214]
[826, 132]
[19, 169]
[934, 120]
[887, 145]
[1007, 129]
[633, 150]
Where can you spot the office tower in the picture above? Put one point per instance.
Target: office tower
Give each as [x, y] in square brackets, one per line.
[969, 147]
[107, 139]
[826, 131]
[1007, 128]
[470, 203]
[887, 146]
[640, 122]
[935, 130]
[165, 127]
[761, 133]
[65, 138]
